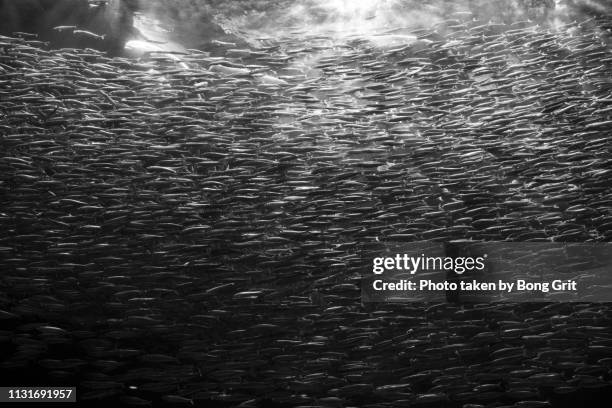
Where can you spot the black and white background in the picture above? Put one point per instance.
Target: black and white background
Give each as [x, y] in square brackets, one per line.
[192, 190]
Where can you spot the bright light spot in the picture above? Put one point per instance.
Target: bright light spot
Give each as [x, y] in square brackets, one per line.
[351, 8]
[141, 46]
[153, 38]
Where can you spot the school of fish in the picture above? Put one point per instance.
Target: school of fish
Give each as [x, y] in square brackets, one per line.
[190, 230]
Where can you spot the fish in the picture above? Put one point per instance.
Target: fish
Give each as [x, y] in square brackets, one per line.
[223, 43]
[88, 34]
[62, 28]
